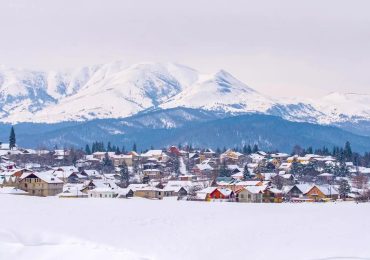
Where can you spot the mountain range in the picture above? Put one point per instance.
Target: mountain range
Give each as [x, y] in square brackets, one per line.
[114, 92]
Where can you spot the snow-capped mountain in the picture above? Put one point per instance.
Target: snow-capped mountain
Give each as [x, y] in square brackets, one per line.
[220, 92]
[116, 91]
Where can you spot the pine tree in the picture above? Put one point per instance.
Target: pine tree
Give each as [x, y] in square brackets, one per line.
[249, 149]
[134, 148]
[124, 175]
[245, 151]
[224, 171]
[246, 174]
[344, 189]
[107, 161]
[109, 147]
[87, 149]
[347, 152]
[255, 148]
[12, 140]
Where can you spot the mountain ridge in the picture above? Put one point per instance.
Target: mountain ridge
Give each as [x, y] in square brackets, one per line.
[202, 128]
[117, 90]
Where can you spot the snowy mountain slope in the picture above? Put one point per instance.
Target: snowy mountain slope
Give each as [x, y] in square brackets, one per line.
[220, 92]
[107, 91]
[115, 90]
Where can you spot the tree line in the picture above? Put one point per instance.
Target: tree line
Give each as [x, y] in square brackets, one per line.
[100, 147]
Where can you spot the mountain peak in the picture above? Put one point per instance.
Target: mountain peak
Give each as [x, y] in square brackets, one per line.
[117, 90]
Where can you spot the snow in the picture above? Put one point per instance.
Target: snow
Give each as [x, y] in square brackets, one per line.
[115, 90]
[182, 167]
[52, 228]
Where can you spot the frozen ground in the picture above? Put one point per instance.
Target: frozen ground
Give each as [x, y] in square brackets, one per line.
[52, 228]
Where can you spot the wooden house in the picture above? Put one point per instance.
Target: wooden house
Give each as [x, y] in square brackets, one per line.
[40, 184]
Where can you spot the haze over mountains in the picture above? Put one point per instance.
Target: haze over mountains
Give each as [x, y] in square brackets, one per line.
[108, 100]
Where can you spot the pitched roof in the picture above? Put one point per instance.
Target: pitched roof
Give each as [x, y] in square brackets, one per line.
[47, 177]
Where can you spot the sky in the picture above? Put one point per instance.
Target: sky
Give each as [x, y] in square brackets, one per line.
[281, 48]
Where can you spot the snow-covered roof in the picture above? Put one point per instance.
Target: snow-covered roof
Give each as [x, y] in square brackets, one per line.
[70, 168]
[326, 174]
[47, 177]
[207, 190]
[204, 166]
[327, 190]
[151, 153]
[102, 190]
[256, 189]
[279, 155]
[138, 186]
[225, 191]
[248, 183]
[304, 188]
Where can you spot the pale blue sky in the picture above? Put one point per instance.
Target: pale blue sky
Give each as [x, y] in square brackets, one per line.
[291, 48]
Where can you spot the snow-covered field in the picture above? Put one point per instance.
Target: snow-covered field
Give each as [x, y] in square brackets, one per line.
[52, 228]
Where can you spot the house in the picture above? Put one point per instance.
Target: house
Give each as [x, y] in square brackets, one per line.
[238, 176]
[325, 177]
[279, 156]
[322, 192]
[203, 169]
[125, 193]
[40, 184]
[204, 194]
[98, 183]
[72, 194]
[187, 177]
[256, 158]
[66, 176]
[221, 194]
[273, 195]
[252, 194]
[149, 193]
[73, 191]
[209, 153]
[297, 191]
[231, 156]
[102, 192]
[171, 191]
[122, 159]
[265, 176]
[59, 154]
[101, 155]
[174, 150]
[283, 179]
[90, 174]
[152, 173]
[157, 154]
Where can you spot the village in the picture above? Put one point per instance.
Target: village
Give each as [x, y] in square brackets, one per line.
[246, 175]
